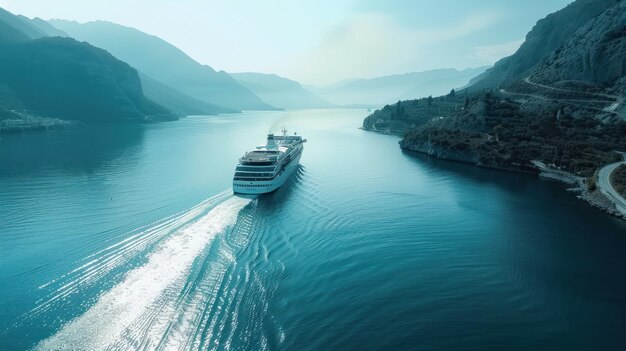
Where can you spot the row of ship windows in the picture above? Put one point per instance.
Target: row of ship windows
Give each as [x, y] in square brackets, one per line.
[252, 186]
[257, 163]
[255, 169]
[243, 174]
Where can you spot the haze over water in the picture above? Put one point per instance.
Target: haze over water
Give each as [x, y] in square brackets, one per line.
[128, 237]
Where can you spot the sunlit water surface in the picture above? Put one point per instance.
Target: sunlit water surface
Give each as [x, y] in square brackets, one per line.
[129, 238]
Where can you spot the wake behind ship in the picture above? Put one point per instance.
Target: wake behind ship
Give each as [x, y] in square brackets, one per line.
[266, 168]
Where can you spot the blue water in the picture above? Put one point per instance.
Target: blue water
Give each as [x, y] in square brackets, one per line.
[128, 238]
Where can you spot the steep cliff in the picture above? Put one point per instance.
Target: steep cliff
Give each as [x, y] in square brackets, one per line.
[595, 53]
[546, 36]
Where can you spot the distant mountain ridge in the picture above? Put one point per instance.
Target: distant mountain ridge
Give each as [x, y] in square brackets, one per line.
[176, 101]
[25, 28]
[388, 89]
[17, 27]
[165, 63]
[279, 91]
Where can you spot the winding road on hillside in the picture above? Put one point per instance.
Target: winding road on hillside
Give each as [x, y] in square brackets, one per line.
[612, 98]
[574, 102]
[604, 184]
[613, 102]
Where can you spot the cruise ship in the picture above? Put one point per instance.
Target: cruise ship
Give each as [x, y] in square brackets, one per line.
[267, 167]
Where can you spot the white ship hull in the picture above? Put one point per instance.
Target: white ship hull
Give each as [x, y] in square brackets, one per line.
[263, 187]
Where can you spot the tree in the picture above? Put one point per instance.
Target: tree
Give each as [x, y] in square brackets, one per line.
[430, 100]
[399, 110]
[452, 93]
[497, 130]
[466, 105]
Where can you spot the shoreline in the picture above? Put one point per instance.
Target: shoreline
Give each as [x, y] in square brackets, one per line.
[595, 198]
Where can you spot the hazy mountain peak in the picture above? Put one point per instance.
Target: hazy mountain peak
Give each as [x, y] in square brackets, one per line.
[47, 28]
[17, 27]
[280, 91]
[165, 63]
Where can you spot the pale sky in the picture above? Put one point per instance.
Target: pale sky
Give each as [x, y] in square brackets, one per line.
[319, 42]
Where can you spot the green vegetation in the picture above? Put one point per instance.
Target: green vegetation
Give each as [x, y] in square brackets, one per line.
[493, 129]
[404, 115]
[592, 182]
[618, 180]
[503, 133]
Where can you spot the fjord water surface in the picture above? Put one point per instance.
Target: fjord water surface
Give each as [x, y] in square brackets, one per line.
[128, 237]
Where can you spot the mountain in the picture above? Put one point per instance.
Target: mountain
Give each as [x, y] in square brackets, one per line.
[18, 27]
[388, 89]
[48, 79]
[545, 37]
[9, 32]
[558, 100]
[176, 101]
[280, 92]
[66, 79]
[165, 63]
[596, 53]
[44, 27]
[22, 28]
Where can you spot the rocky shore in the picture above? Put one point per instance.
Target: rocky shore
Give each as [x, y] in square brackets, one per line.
[585, 189]
[578, 184]
[596, 199]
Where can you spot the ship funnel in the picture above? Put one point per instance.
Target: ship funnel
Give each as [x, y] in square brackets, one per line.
[271, 142]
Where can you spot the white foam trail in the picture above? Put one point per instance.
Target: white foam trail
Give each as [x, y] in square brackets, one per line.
[216, 298]
[101, 326]
[104, 261]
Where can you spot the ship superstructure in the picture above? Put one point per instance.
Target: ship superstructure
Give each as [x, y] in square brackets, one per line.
[267, 167]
